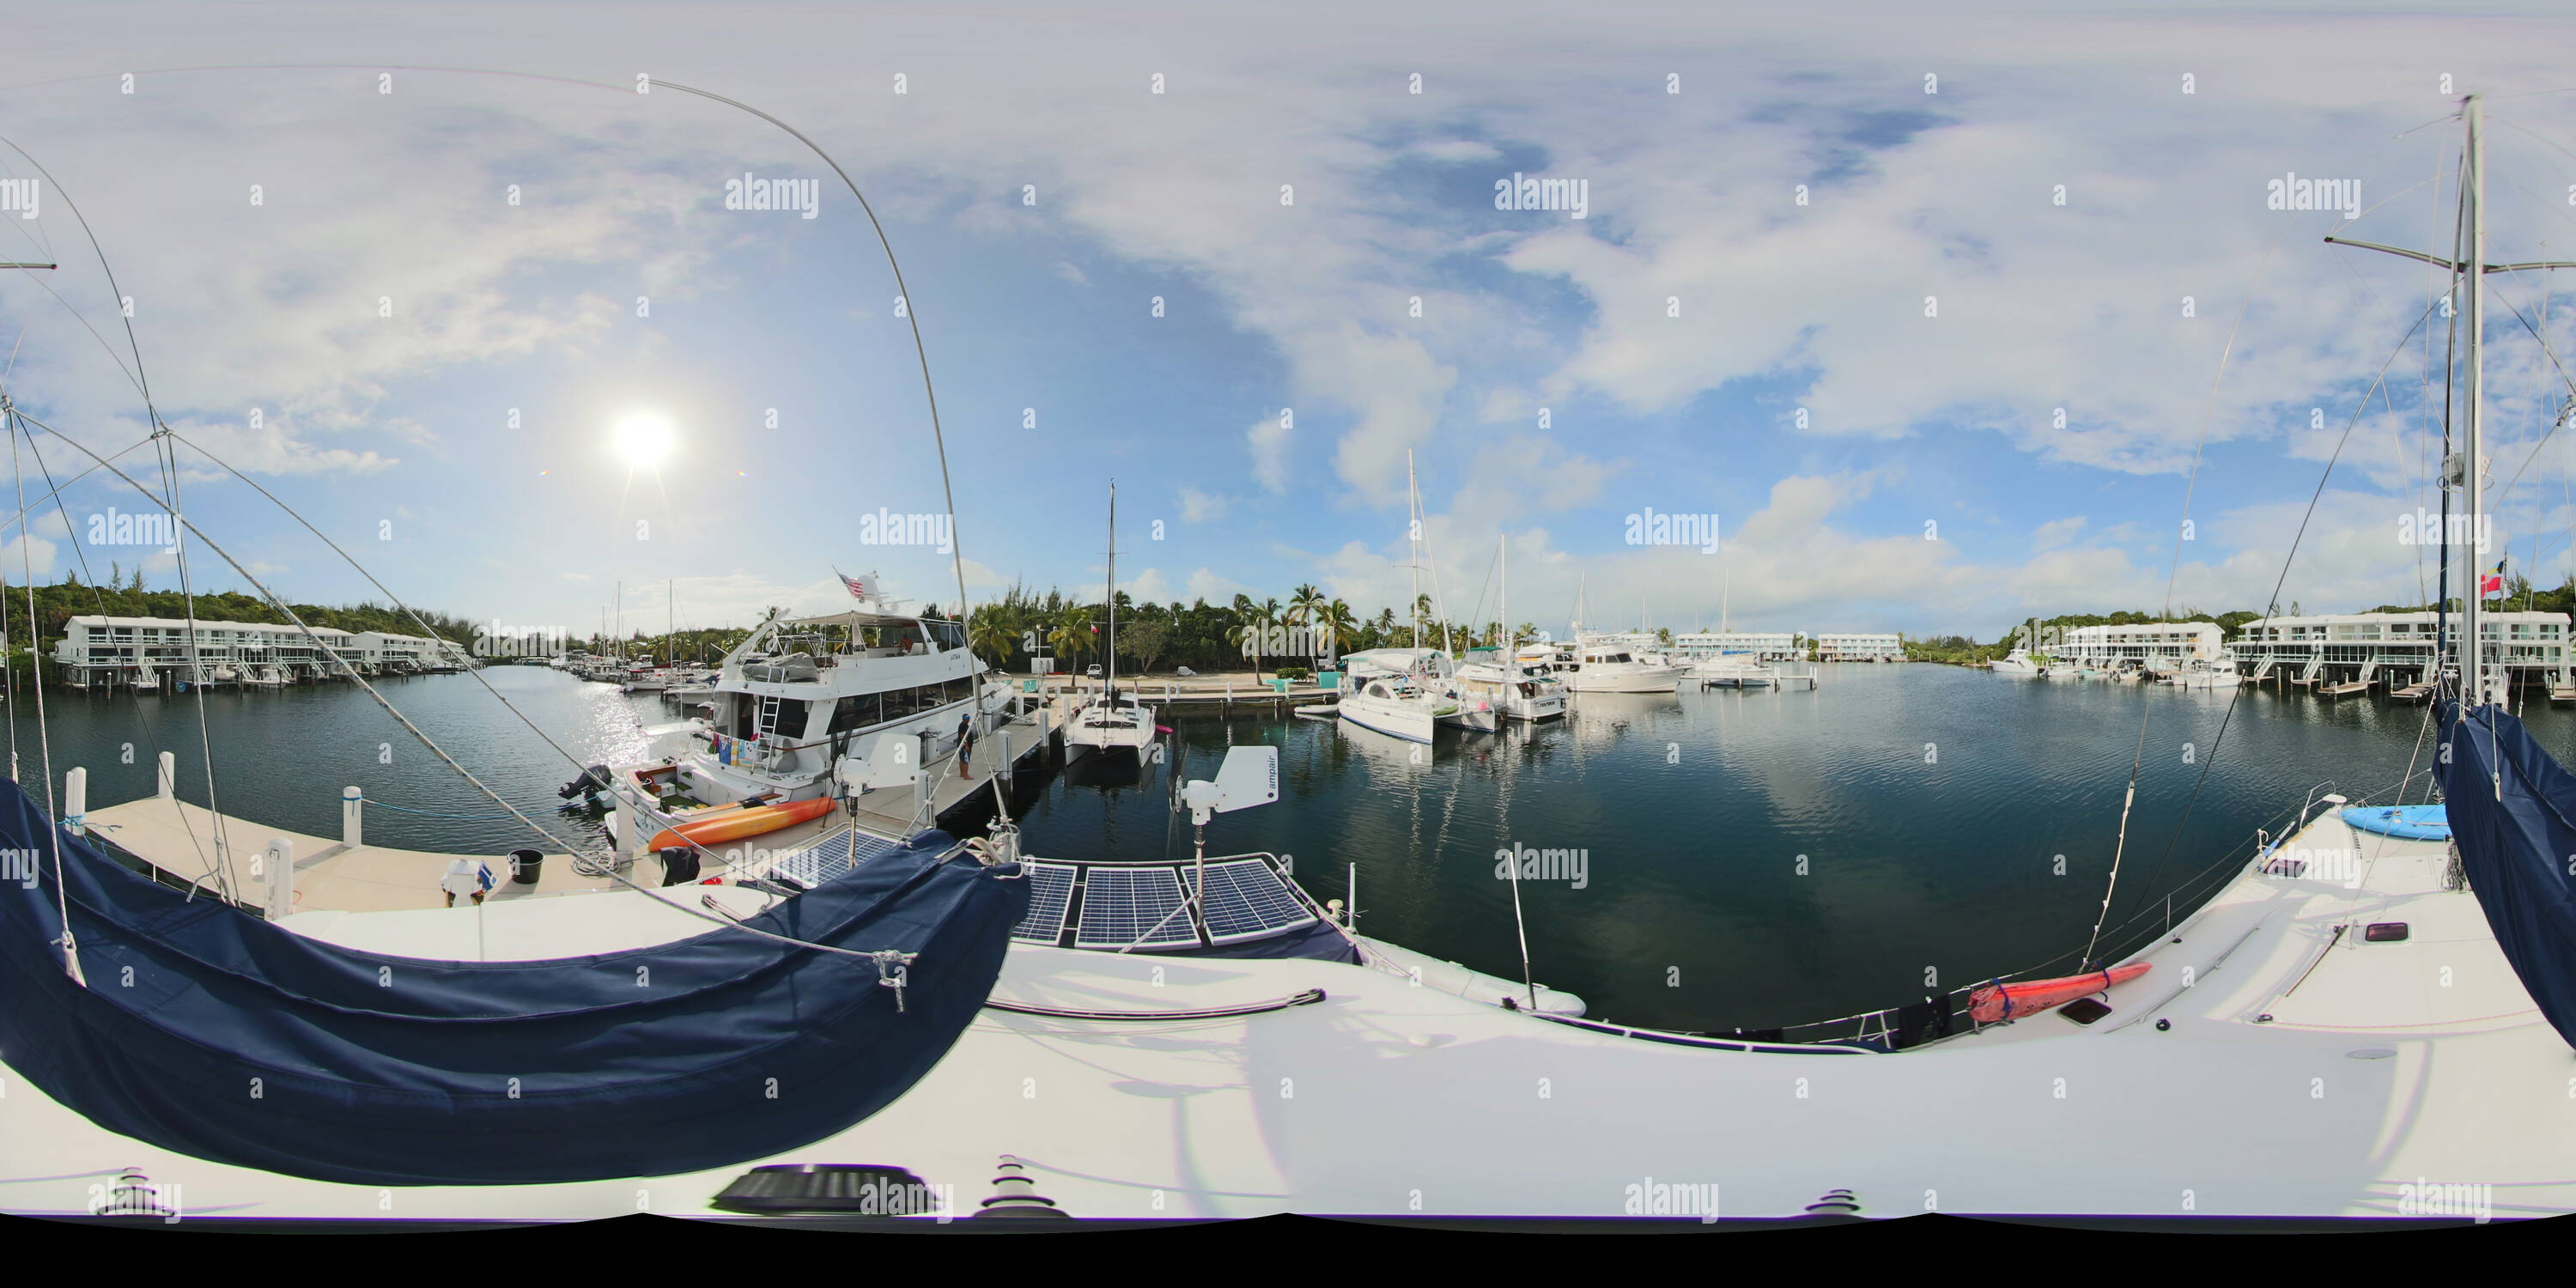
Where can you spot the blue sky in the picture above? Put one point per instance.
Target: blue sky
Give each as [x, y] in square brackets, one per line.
[1562, 375]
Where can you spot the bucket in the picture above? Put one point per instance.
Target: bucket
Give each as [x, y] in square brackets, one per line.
[525, 865]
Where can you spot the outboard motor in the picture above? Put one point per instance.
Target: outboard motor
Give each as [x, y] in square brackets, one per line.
[592, 782]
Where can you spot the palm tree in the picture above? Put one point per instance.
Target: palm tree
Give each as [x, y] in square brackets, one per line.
[1304, 603]
[990, 634]
[1337, 624]
[1072, 634]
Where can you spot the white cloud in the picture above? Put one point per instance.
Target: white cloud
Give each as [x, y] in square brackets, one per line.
[1200, 507]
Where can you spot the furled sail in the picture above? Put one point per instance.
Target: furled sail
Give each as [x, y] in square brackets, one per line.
[213, 1033]
[2512, 812]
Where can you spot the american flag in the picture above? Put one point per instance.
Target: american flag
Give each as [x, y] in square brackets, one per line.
[860, 587]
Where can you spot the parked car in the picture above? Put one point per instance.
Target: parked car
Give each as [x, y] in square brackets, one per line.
[1187, 674]
[1092, 670]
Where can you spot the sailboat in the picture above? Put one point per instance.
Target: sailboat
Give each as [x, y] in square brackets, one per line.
[1111, 721]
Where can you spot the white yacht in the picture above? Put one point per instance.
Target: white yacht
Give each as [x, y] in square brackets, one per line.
[873, 681]
[1512, 690]
[264, 676]
[1110, 721]
[1607, 666]
[1397, 691]
[2018, 662]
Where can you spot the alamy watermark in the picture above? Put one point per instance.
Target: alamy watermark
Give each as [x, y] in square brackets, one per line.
[18, 866]
[802, 196]
[2425, 527]
[2294, 193]
[497, 640]
[117, 528]
[2475, 1201]
[887, 528]
[1529, 192]
[21, 195]
[1669, 1198]
[1655, 528]
[1526, 863]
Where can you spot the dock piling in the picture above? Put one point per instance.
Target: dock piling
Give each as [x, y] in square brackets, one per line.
[351, 829]
[75, 799]
[168, 778]
[278, 869]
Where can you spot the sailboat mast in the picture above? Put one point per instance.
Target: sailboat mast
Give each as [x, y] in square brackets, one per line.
[1109, 693]
[2474, 179]
[1511, 646]
[1413, 526]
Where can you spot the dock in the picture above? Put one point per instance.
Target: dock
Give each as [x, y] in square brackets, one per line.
[177, 838]
[2345, 689]
[1223, 693]
[2420, 692]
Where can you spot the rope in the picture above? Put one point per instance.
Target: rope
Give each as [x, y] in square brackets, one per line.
[44, 738]
[1307, 998]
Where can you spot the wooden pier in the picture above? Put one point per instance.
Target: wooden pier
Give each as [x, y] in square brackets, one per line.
[2346, 689]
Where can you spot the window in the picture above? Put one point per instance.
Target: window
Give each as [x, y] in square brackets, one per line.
[856, 713]
[790, 721]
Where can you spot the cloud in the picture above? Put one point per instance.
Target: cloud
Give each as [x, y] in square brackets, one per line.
[1269, 441]
[1200, 507]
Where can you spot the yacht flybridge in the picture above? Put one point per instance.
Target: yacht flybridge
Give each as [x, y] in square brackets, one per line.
[873, 684]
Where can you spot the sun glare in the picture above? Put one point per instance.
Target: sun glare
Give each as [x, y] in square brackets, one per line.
[644, 440]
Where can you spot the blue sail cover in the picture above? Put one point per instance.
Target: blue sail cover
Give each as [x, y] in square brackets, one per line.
[2514, 842]
[211, 1032]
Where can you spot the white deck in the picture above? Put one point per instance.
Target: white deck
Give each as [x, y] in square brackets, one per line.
[2390, 1062]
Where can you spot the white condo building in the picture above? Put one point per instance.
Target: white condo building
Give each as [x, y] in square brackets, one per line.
[98, 651]
[2162, 646]
[2363, 646]
[1858, 646]
[1766, 646]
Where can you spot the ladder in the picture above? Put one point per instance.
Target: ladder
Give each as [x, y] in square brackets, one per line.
[768, 715]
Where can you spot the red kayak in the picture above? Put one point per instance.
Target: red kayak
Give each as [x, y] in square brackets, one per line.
[1998, 1002]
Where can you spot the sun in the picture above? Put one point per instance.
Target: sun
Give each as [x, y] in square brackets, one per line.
[644, 440]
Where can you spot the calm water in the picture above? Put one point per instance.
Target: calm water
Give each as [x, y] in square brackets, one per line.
[1929, 806]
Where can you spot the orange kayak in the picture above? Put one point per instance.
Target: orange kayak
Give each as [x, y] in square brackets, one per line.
[1997, 1002]
[737, 824]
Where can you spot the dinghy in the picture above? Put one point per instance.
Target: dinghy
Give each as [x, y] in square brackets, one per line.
[2413, 822]
[734, 825]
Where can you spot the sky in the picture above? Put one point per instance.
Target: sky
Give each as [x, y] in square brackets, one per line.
[1948, 320]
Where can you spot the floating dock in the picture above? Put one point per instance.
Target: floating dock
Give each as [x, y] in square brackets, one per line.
[2343, 690]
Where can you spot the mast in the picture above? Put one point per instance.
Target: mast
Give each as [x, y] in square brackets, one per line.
[2473, 689]
[1511, 645]
[1413, 526]
[1109, 692]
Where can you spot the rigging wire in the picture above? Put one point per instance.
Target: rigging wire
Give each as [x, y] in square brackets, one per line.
[2270, 609]
[44, 739]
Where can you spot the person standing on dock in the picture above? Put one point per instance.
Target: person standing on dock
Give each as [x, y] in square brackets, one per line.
[966, 745]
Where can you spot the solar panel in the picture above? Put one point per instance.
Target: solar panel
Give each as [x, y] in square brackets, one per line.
[1140, 906]
[1247, 899]
[841, 852]
[1050, 888]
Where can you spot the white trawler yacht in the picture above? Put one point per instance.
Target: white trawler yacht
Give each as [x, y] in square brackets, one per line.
[2018, 662]
[872, 680]
[1603, 665]
[1110, 721]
